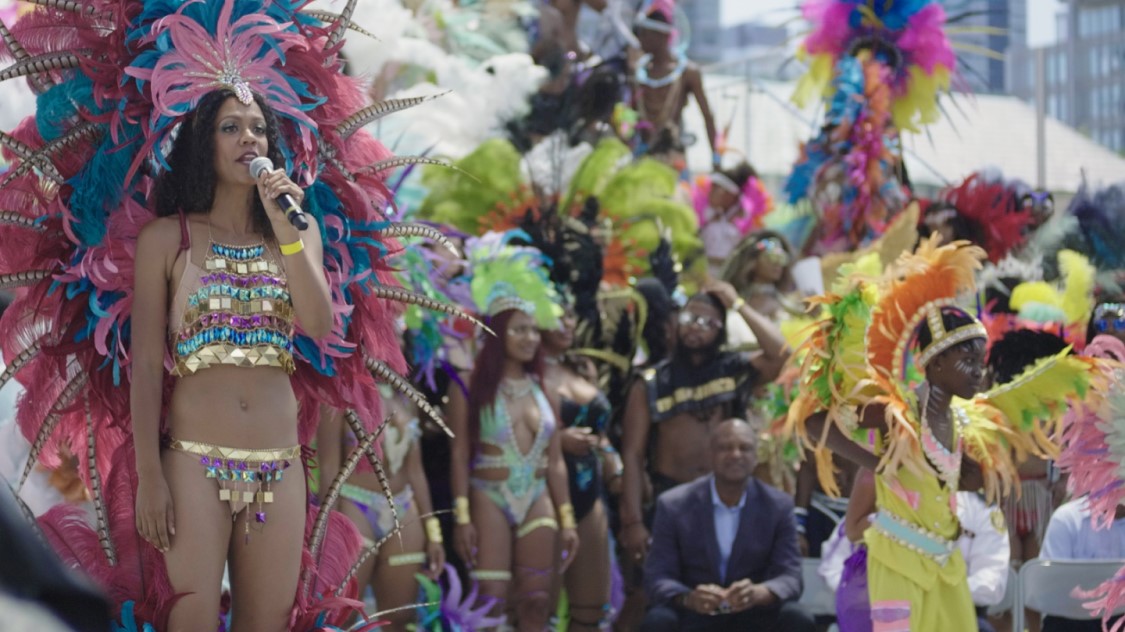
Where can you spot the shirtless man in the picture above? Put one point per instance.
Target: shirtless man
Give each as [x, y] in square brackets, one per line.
[663, 81]
[681, 399]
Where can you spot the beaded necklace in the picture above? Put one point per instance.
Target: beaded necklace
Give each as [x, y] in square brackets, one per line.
[946, 461]
[667, 80]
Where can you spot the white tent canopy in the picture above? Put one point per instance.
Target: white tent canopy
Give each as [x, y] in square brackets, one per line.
[978, 131]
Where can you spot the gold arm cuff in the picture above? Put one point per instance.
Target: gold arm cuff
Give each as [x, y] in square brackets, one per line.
[461, 510]
[433, 530]
[566, 516]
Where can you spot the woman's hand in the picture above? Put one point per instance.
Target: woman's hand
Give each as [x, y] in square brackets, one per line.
[465, 543]
[635, 538]
[578, 441]
[568, 538]
[271, 185]
[435, 555]
[155, 519]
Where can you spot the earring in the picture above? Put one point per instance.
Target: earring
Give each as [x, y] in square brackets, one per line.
[938, 368]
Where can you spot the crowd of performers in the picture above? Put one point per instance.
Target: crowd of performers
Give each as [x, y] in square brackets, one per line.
[452, 399]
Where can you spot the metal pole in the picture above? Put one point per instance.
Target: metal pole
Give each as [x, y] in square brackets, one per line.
[1041, 117]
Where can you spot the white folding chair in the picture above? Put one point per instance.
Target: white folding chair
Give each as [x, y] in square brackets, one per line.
[1009, 600]
[817, 597]
[1047, 586]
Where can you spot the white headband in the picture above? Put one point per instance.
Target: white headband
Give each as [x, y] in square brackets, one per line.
[655, 25]
[725, 183]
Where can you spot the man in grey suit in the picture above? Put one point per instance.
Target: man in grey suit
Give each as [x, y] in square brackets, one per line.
[724, 549]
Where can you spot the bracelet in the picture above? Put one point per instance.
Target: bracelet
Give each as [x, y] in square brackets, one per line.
[433, 530]
[566, 516]
[293, 248]
[802, 516]
[737, 304]
[461, 510]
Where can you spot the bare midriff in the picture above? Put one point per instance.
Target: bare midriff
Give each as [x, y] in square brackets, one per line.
[235, 407]
[682, 450]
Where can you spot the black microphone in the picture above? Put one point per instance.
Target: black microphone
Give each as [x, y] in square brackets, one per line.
[293, 213]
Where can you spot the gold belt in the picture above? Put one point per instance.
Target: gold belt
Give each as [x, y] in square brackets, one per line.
[235, 454]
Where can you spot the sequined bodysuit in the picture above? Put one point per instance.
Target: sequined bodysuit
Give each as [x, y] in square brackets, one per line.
[523, 487]
[235, 310]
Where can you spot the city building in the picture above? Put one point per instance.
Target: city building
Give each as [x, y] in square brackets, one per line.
[1084, 72]
[721, 33]
[995, 25]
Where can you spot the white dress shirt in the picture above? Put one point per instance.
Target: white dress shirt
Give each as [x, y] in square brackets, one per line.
[1071, 536]
[726, 526]
[985, 547]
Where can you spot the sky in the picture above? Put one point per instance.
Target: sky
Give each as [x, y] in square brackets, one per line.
[1040, 15]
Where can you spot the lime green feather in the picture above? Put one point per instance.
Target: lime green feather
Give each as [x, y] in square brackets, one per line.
[461, 201]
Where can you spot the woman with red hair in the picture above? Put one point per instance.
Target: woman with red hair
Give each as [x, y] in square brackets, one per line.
[511, 501]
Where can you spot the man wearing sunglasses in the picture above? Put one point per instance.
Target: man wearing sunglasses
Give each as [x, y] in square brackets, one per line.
[671, 411]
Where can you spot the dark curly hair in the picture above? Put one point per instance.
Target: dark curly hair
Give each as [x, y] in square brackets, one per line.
[1017, 350]
[188, 185]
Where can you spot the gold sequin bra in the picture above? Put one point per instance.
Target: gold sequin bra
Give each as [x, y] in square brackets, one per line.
[241, 315]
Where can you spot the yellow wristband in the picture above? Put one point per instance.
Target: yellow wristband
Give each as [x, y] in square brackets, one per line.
[293, 248]
[735, 306]
[433, 530]
[461, 510]
[566, 516]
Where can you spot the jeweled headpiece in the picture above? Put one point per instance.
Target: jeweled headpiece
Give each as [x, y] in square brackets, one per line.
[505, 298]
[195, 54]
[942, 339]
[506, 277]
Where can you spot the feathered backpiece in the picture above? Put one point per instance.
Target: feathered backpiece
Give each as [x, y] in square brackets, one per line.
[993, 209]
[1064, 306]
[506, 276]
[1093, 455]
[1100, 228]
[754, 200]
[1093, 439]
[850, 171]
[906, 37]
[114, 79]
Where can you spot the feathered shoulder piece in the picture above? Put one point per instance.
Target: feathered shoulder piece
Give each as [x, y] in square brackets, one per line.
[833, 368]
[506, 276]
[1023, 416]
[907, 37]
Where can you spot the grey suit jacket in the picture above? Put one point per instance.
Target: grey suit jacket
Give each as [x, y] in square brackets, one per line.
[685, 549]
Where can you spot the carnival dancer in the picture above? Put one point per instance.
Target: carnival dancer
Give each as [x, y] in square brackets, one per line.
[390, 519]
[196, 411]
[511, 502]
[663, 81]
[730, 203]
[923, 427]
[590, 462]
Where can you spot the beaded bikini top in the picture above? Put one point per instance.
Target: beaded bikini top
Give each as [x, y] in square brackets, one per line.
[236, 311]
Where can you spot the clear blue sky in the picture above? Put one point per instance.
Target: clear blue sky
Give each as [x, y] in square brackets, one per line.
[1040, 15]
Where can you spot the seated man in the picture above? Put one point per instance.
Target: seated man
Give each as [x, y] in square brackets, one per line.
[724, 550]
[1071, 536]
